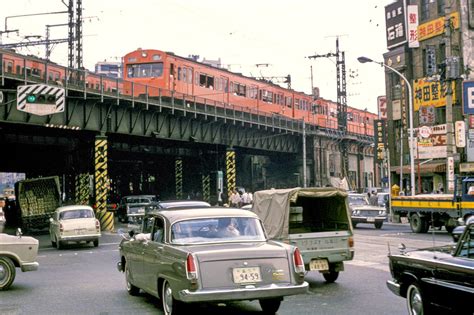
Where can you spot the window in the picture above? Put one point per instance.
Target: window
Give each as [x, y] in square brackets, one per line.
[158, 230]
[190, 76]
[206, 81]
[179, 73]
[239, 89]
[145, 70]
[441, 6]
[267, 96]
[288, 101]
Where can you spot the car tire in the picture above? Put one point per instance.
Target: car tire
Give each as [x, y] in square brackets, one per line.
[354, 224]
[7, 273]
[170, 305]
[331, 276]
[96, 243]
[449, 228]
[418, 224]
[378, 225]
[415, 303]
[269, 306]
[131, 289]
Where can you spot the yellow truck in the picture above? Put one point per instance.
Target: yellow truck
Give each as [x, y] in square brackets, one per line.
[437, 210]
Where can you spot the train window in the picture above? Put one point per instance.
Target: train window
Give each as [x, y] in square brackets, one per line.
[10, 67]
[297, 103]
[50, 76]
[145, 70]
[190, 75]
[239, 89]
[19, 70]
[288, 101]
[156, 57]
[226, 87]
[36, 72]
[179, 73]
[202, 79]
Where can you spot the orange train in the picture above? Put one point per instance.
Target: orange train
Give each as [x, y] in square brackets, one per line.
[157, 73]
[161, 73]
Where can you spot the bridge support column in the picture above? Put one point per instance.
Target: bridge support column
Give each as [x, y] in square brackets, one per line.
[206, 188]
[82, 189]
[230, 170]
[101, 184]
[178, 169]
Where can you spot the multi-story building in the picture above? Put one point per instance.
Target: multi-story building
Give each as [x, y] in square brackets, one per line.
[429, 43]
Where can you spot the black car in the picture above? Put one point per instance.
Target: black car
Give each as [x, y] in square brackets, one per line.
[132, 208]
[438, 277]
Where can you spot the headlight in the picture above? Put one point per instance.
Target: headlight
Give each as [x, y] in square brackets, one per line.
[381, 212]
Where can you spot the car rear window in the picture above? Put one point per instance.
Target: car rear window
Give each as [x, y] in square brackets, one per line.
[76, 214]
[220, 229]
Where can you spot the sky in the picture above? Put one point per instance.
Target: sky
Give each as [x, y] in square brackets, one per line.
[276, 35]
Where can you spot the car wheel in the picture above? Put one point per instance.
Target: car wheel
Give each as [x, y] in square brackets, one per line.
[418, 224]
[449, 228]
[378, 225]
[415, 303]
[270, 306]
[331, 276]
[354, 224]
[131, 289]
[170, 304]
[7, 273]
[96, 243]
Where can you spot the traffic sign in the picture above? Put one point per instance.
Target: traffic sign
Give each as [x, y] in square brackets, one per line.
[40, 99]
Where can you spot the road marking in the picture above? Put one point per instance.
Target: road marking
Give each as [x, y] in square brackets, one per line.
[368, 264]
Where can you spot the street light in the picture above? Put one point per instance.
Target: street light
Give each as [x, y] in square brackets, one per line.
[410, 112]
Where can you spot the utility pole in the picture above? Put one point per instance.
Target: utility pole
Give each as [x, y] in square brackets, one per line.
[449, 102]
[341, 103]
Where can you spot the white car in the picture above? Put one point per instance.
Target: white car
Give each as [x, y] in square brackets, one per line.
[16, 251]
[74, 224]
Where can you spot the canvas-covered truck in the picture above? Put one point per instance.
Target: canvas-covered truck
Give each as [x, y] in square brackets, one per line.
[36, 201]
[436, 210]
[317, 220]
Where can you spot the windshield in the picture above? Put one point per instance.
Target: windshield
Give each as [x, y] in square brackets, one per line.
[76, 214]
[145, 70]
[215, 230]
[358, 200]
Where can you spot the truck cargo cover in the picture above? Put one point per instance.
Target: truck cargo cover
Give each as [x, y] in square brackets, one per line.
[273, 205]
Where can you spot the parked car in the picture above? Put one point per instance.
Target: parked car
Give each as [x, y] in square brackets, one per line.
[458, 230]
[363, 212]
[209, 255]
[132, 208]
[16, 251]
[76, 223]
[441, 277]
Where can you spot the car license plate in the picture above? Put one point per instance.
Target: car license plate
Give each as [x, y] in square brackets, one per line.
[247, 275]
[80, 231]
[370, 219]
[318, 264]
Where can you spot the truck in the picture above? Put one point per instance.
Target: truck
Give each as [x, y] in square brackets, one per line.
[36, 201]
[317, 220]
[437, 210]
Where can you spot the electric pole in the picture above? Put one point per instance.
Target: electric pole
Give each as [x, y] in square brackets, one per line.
[341, 103]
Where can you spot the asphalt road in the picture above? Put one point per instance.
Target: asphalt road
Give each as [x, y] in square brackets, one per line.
[84, 280]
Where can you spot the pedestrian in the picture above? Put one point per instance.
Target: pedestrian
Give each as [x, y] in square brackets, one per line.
[245, 199]
[235, 199]
[374, 200]
[220, 201]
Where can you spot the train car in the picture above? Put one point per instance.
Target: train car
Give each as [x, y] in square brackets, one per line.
[360, 122]
[37, 70]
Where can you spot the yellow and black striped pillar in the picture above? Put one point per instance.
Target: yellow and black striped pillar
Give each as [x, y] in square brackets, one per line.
[178, 169]
[230, 170]
[101, 184]
[206, 187]
[82, 191]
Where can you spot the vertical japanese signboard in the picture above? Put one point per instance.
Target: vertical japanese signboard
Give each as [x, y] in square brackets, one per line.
[380, 138]
[395, 24]
[382, 105]
[412, 25]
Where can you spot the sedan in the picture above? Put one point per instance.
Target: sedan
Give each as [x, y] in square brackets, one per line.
[74, 224]
[441, 277]
[209, 255]
[16, 251]
[132, 208]
[363, 212]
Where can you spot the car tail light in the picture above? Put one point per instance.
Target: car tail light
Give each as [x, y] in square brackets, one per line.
[97, 225]
[113, 206]
[350, 241]
[61, 228]
[298, 261]
[191, 271]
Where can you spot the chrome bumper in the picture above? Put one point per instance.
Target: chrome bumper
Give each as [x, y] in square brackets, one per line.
[79, 238]
[245, 293]
[33, 266]
[394, 287]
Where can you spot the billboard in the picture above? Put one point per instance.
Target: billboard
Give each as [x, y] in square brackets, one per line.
[395, 24]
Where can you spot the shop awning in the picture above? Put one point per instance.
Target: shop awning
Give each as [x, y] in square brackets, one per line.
[435, 167]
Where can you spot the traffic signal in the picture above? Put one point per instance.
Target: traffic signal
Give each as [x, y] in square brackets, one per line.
[47, 99]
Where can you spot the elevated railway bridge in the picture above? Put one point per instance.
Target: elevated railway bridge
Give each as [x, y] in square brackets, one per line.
[171, 145]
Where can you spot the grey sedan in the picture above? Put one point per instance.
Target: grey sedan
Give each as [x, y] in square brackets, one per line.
[209, 255]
